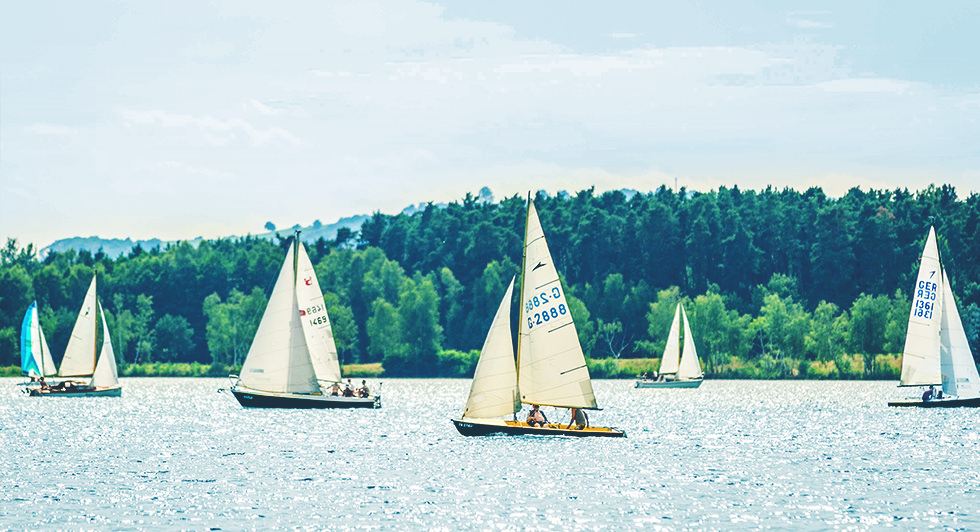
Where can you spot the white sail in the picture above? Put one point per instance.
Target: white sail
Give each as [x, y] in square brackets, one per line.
[920, 359]
[493, 392]
[79, 360]
[959, 373]
[690, 368]
[46, 363]
[316, 324]
[105, 375]
[670, 362]
[551, 365]
[279, 360]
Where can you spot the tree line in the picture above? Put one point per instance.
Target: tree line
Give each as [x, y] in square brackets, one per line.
[770, 279]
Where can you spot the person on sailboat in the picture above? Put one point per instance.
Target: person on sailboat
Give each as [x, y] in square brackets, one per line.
[579, 419]
[363, 390]
[536, 417]
[335, 389]
[928, 394]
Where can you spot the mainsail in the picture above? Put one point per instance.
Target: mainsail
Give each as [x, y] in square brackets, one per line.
[35, 357]
[551, 365]
[493, 392]
[79, 360]
[279, 359]
[670, 362]
[920, 359]
[959, 373]
[316, 324]
[689, 368]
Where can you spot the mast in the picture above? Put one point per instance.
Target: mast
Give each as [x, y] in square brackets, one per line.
[95, 325]
[296, 259]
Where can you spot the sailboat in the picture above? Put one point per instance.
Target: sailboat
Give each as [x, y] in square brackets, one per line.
[550, 368]
[293, 351]
[677, 370]
[84, 359]
[936, 349]
[35, 357]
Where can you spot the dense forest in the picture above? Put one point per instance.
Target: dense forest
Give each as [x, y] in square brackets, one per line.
[776, 282]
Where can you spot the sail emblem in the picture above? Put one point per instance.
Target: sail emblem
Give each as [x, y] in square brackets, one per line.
[540, 265]
[308, 281]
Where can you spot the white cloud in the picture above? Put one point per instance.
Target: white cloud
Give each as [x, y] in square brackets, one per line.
[218, 132]
[50, 129]
[866, 85]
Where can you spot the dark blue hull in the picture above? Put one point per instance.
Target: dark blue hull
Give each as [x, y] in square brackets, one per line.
[255, 399]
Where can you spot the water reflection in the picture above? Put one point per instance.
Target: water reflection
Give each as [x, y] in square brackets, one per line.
[175, 453]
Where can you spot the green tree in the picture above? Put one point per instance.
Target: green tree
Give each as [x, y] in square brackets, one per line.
[384, 331]
[174, 338]
[828, 336]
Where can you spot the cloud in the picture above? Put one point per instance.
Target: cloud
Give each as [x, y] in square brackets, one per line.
[50, 129]
[216, 131]
[866, 85]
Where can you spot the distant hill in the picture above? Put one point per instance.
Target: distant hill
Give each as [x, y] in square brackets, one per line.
[114, 247]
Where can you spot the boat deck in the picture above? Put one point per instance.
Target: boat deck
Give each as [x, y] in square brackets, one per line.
[952, 402]
[78, 391]
[259, 399]
[484, 427]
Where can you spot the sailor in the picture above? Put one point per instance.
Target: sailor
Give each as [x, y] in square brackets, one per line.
[536, 418]
[363, 390]
[928, 394]
[335, 389]
[579, 419]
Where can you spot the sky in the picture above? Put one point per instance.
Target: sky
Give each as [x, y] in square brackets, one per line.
[181, 119]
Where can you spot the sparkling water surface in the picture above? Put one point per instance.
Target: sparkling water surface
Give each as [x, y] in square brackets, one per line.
[176, 454]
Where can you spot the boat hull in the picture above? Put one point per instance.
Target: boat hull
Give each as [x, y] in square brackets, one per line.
[669, 384]
[257, 399]
[472, 427]
[115, 391]
[972, 402]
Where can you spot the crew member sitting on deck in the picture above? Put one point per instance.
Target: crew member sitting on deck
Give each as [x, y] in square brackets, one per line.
[335, 389]
[928, 394]
[535, 418]
[348, 391]
[363, 390]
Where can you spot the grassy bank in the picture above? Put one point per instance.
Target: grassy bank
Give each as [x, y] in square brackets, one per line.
[457, 364]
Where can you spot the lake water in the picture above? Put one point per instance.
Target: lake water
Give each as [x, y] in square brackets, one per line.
[175, 454]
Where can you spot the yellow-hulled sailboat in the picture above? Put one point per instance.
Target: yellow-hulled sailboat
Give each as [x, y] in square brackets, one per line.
[550, 370]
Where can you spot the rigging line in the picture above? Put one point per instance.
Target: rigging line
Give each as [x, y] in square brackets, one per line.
[560, 326]
[546, 284]
[573, 369]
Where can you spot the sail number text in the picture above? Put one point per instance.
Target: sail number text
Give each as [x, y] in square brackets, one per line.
[541, 308]
[316, 320]
[925, 297]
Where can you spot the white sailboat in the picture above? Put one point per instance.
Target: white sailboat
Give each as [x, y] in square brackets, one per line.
[936, 349]
[293, 349]
[550, 368]
[84, 359]
[677, 369]
[35, 357]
